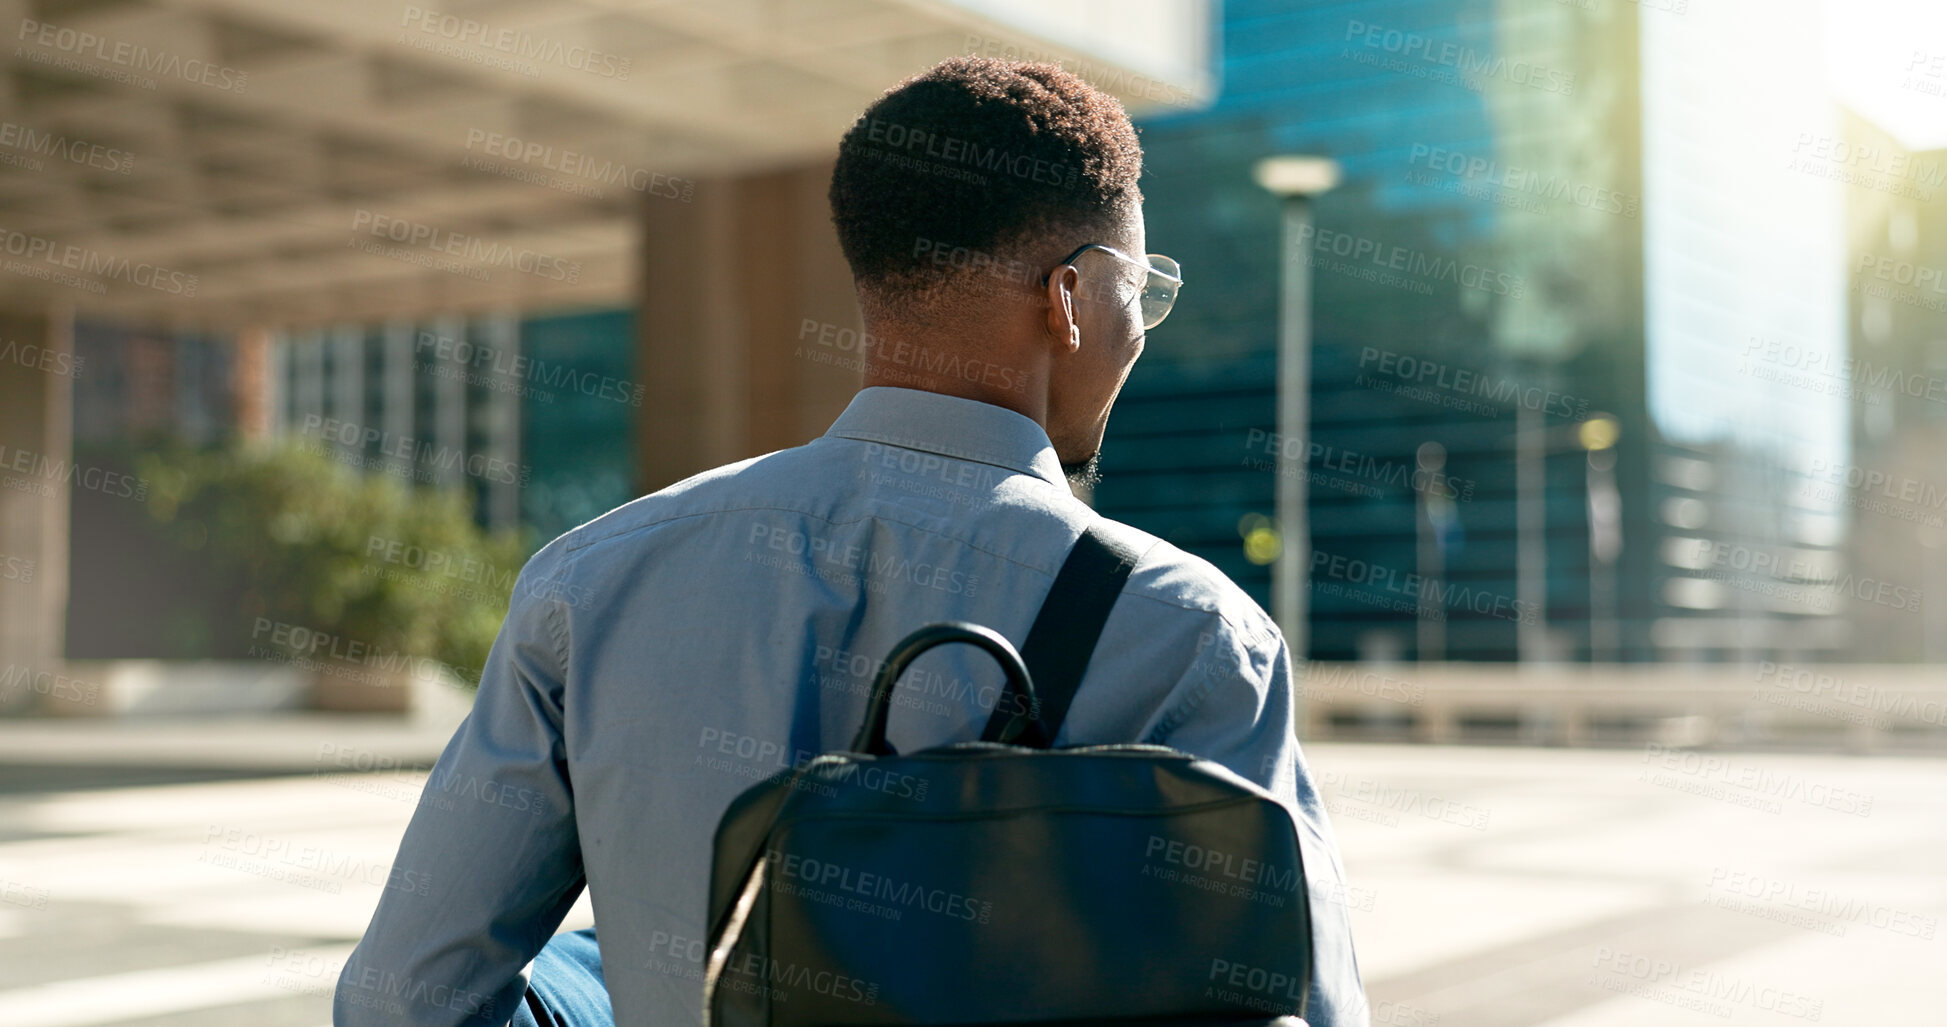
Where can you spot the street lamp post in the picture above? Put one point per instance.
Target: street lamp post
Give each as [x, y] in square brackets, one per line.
[1295, 180]
[1605, 542]
[1433, 513]
[1533, 442]
[1530, 534]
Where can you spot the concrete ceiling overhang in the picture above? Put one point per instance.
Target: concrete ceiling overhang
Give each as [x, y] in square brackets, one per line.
[219, 163]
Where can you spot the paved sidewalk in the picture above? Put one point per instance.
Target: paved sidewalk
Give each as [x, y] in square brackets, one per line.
[1489, 887]
[1581, 888]
[270, 742]
[52, 752]
[214, 904]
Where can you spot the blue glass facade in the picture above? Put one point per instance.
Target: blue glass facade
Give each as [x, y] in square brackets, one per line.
[580, 441]
[1479, 269]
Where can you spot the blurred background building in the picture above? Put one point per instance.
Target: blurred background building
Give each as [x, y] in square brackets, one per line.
[1624, 352]
[1552, 213]
[544, 257]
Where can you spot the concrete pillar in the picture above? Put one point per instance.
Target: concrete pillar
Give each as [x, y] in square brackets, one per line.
[737, 286]
[448, 428]
[399, 393]
[401, 378]
[255, 381]
[306, 353]
[503, 425]
[36, 448]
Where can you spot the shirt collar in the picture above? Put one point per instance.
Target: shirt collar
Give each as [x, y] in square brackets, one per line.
[950, 426]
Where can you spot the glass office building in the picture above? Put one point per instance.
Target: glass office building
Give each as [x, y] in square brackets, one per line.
[1476, 283]
[1550, 302]
[501, 406]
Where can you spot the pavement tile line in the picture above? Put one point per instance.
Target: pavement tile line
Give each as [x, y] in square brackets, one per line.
[144, 846]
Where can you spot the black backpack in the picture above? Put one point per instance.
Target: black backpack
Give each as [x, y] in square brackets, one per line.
[1004, 881]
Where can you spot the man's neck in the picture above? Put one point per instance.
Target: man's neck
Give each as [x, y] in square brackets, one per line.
[903, 361]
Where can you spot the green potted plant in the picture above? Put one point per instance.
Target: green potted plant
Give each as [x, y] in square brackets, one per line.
[363, 578]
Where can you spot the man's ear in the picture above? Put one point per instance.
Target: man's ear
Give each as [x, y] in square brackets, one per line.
[1063, 326]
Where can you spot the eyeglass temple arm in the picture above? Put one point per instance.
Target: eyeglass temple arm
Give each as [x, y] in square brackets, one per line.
[1117, 254]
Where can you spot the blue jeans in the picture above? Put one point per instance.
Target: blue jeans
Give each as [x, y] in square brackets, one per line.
[565, 988]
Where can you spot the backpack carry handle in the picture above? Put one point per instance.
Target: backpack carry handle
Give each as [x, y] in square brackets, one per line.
[872, 734]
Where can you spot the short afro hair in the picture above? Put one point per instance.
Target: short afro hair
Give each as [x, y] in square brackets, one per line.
[976, 155]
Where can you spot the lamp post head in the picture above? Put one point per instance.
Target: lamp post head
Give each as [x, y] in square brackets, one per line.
[1597, 433]
[1293, 176]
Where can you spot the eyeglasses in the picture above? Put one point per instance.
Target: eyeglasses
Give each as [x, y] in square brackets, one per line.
[1158, 293]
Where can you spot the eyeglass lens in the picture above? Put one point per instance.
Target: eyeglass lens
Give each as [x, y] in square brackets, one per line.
[1159, 293]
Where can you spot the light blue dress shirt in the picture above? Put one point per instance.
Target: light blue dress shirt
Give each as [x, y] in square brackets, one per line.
[661, 659]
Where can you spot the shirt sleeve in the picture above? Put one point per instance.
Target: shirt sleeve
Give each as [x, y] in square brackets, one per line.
[1235, 706]
[490, 862]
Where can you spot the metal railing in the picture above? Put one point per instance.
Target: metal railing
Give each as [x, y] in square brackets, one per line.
[1858, 707]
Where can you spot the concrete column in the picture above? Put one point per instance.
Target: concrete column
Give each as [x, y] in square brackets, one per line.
[277, 386]
[347, 384]
[36, 448]
[737, 285]
[400, 384]
[503, 424]
[306, 352]
[255, 382]
[447, 431]
[399, 379]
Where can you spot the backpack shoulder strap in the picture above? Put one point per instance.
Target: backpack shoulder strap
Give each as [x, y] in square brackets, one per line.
[1064, 633]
